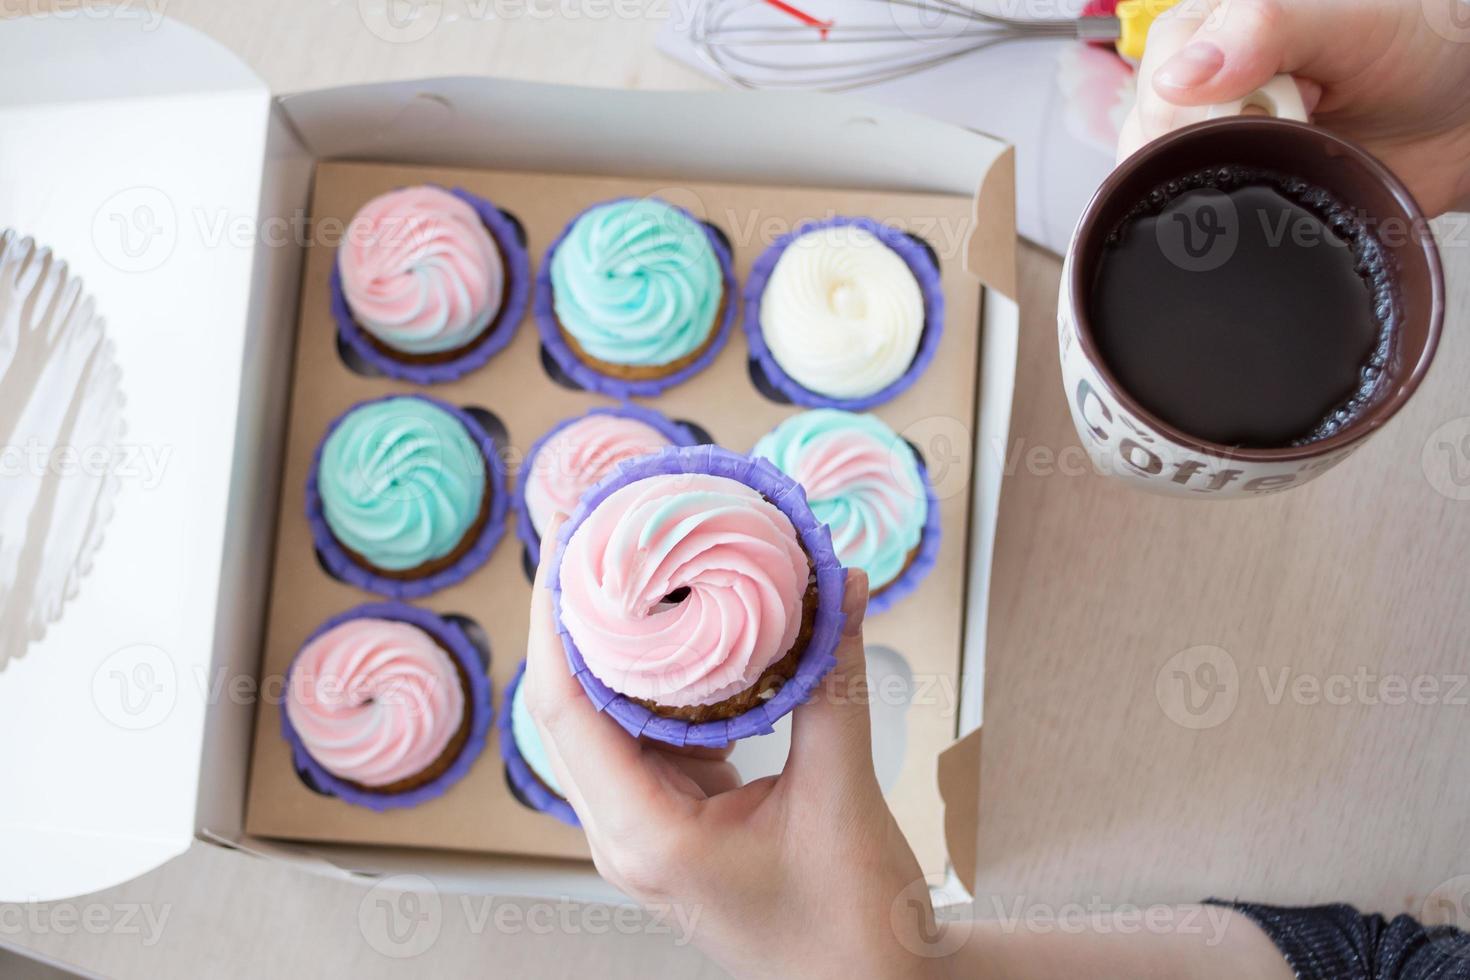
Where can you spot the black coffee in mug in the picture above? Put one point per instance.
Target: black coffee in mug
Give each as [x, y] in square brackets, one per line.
[1245, 307]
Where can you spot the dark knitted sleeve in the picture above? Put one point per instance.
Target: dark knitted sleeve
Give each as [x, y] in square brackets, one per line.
[1336, 942]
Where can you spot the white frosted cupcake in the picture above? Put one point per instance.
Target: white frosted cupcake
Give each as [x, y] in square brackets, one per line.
[844, 313]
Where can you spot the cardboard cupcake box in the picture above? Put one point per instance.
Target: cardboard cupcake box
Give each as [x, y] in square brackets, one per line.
[207, 245]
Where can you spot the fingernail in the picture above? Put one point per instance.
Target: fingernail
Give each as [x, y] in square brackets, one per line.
[1196, 63]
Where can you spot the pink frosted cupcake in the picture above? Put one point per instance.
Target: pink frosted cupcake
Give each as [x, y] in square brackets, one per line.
[386, 706]
[429, 283]
[697, 595]
[578, 452]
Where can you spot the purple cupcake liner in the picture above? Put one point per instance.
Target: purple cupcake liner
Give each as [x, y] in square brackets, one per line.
[815, 661]
[924, 558]
[920, 263]
[593, 380]
[477, 701]
[495, 338]
[677, 433]
[531, 789]
[344, 568]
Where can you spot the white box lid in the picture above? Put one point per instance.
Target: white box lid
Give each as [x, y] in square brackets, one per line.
[133, 149]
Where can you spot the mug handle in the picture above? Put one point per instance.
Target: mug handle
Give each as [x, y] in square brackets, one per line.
[1279, 97]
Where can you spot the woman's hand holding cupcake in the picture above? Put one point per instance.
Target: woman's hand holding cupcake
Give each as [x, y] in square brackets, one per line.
[760, 862]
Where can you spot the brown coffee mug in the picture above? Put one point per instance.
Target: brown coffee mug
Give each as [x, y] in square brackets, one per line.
[1126, 440]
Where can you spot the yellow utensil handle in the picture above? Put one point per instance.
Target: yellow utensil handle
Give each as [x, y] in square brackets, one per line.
[1135, 17]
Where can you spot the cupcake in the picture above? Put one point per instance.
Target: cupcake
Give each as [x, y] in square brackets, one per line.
[697, 595]
[526, 765]
[634, 297]
[405, 496]
[386, 706]
[577, 453]
[844, 313]
[868, 485]
[429, 283]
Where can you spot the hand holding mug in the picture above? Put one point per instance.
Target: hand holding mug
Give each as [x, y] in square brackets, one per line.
[1390, 75]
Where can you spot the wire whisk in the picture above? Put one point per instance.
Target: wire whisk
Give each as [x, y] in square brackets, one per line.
[774, 44]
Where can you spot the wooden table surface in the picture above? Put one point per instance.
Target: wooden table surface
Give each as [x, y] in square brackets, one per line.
[1313, 750]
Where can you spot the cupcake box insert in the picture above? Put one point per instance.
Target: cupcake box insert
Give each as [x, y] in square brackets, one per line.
[753, 165]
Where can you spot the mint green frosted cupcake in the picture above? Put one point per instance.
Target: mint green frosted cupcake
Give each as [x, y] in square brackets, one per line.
[635, 295]
[405, 489]
[527, 765]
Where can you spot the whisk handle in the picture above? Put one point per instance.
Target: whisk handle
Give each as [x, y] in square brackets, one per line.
[1135, 17]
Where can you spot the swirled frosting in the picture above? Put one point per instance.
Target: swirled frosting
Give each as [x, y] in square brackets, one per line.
[580, 454]
[401, 482]
[842, 313]
[374, 701]
[626, 564]
[528, 740]
[420, 272]
[636, 282]
[861, 480]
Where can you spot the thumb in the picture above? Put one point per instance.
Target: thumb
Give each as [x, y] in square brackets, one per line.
[1228, 52]
[832, 730]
